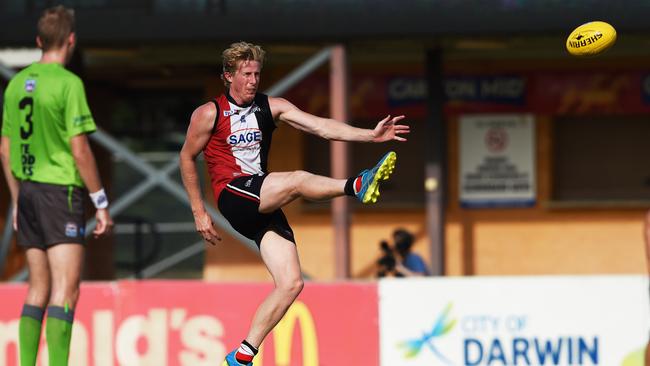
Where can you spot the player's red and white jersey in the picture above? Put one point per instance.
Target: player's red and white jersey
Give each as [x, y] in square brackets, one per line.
[240, 141]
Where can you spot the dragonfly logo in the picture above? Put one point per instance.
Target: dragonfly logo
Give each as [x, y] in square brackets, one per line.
[442, 326]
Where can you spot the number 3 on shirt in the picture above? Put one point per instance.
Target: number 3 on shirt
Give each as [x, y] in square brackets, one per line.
[24, 103]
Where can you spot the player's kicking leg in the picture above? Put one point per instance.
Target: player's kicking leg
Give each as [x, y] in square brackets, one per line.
[281, 188]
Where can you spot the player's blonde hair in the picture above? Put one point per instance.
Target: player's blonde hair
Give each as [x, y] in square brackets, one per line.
[54, 26]
[240, 51]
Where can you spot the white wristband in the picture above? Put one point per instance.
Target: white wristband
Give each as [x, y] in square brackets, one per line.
[99, 199]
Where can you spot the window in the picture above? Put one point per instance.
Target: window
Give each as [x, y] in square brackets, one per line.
[601, 159]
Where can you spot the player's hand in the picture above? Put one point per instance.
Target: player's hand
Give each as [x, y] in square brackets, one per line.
[104, 222]
[205, 227]
[387, 129]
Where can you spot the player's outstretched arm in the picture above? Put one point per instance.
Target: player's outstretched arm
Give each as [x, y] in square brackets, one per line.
[87, 166]
[387, 129]
[198, 135]
[9, 176]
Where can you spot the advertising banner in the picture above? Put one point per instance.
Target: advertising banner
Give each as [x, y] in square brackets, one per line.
[378, 92]
[514, 321]
[587, 93]
[497, 160]
[497, 89]
[160, 323]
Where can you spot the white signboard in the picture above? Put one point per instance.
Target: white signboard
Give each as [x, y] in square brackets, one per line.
[497, 160]
[555, 320]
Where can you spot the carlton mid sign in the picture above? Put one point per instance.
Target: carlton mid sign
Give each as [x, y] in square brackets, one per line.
[193, 323]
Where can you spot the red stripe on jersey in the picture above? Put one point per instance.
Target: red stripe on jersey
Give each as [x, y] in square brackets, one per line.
[222, 166]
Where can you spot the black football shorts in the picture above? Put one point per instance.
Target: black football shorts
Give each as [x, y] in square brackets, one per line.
[50, 214]
[239, 203]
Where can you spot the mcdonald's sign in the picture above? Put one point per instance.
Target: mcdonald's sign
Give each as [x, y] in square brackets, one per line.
[190, 323]
[298, 315]
[327, 325]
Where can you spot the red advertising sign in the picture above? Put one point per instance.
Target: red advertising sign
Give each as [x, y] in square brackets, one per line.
[373, 95]
[589, 93]
[193, 323]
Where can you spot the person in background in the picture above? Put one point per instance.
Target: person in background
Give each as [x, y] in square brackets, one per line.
[408, 264]
[49, 168]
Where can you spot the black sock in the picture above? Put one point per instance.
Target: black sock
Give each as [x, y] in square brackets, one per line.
[349, 187]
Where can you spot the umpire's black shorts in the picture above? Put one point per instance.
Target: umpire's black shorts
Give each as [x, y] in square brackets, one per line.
[50, 214]
[239, 203]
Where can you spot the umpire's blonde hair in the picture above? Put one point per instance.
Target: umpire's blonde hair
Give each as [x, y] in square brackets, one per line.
[240, 51]
[54, 27]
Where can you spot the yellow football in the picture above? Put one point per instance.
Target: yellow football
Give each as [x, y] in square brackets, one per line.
[591, 39]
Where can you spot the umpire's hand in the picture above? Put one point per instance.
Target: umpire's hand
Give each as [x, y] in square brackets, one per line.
[104, 222]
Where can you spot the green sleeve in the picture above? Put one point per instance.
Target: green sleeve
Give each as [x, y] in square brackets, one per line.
[6, 121]
[78, 119]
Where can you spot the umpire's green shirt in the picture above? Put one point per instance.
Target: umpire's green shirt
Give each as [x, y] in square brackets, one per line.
[44, 106]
